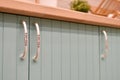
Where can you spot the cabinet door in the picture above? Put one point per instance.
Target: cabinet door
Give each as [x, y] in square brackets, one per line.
[88, 47]
[42, 68]
[35, 67]
[1, 45]
[13, 45]
[68, 51]
[110, 66]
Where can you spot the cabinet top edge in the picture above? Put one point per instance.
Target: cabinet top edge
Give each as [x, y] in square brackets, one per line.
[37, 10]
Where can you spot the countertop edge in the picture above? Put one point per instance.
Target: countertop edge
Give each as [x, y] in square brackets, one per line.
[36, 10]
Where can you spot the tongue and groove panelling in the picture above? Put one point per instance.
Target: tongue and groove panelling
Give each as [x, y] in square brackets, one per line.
[13, 68]
[1, 45]
[109, 68]
[69, 51]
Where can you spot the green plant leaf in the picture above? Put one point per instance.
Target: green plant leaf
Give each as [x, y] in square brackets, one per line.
[80, 5]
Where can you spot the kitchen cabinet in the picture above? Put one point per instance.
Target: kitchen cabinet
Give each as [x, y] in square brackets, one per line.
[110, 66]
[67, 50]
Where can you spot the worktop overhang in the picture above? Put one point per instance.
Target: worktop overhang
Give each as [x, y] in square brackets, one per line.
[37, 10]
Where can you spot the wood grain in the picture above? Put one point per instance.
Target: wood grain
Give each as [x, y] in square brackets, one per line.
[31, 9]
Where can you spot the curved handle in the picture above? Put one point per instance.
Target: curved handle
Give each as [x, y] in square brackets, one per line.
[35, 58]
[23, 55]
[104, 55]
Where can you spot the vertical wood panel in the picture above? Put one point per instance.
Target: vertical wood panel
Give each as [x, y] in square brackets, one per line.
[91, 46]
[22, 66]
[102, 62]
[13, 67]
[56, 50]
[74, 51]
[113, 52]
[66, 51]
[117, 45]
[109, 66]
[35, 67]
[46, 50]
[109, 59]
[1, 45]
[82, 52]
[95, 53]
[117, 56]
[9, 51]
[89, 53]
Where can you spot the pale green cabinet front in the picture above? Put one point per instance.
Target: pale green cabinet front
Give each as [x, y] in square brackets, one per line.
[110, 66]
[11, 46]
[68, 51]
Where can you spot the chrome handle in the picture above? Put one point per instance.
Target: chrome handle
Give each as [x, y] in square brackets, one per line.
[104, 55]
[35, 58]
[23, 55]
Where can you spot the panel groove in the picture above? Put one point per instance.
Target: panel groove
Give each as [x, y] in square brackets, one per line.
[61, 49]
[51, 50]
[86, 53]
[41, 62]
[78, 48]
[99, 31]
[29, 71]
[93, 55]
[16, 50]
[70, 51]
[1, 46]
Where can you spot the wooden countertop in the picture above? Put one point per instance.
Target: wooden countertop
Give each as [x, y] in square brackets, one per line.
[36, 10]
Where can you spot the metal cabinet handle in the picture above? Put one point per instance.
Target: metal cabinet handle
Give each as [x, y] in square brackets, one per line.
[23, 55]
[104, 55]
[35, 58]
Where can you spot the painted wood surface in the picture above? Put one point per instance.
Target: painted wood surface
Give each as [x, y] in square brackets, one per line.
[109, 67]
[13, 67]
[28, 9]
[56, 50]
[69, 51]
[9, 48]
[1, 46]
[22, 66]
[92, 53]
[34, 67]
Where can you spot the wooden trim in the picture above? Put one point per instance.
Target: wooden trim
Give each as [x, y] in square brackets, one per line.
[36, 10]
